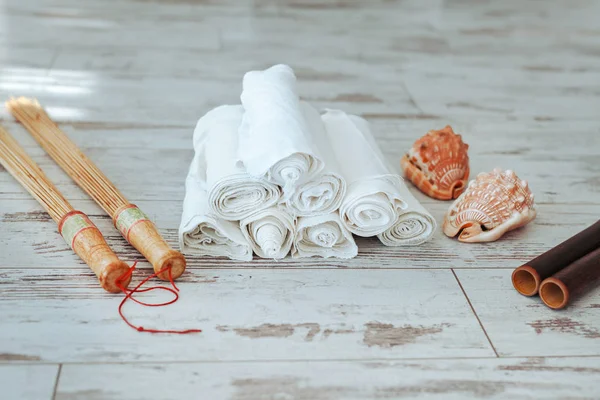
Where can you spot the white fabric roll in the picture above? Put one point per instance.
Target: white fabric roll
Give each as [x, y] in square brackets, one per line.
[201, 233]
[274, 138]
[270, 232]
[323, 236]
[377, 202]
[414, 225]
[323, 194]
[233, 194]
[372, 198]
[371, 205]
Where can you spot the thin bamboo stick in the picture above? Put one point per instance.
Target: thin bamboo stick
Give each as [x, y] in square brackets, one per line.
[75, 227]
[133, 224]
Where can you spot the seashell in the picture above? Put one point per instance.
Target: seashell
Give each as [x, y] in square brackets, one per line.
[438, 164]
[493, 204]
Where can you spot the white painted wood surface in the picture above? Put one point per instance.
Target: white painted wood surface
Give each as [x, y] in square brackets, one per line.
[127, 81]
[573, 378]
[245, 315]
[27, 382]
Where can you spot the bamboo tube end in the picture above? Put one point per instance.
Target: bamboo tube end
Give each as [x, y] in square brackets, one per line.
[526, 280]
[554, 293]
[173, 259]
[110, 278]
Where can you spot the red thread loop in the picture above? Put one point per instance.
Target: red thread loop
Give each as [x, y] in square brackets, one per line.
[129, 295]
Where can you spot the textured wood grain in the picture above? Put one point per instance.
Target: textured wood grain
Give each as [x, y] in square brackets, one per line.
[245, 315]
[30, 240]
[102, 32]
[15, 58]
[27, 382]
[553, 378]
[567, 197]
[557, 172]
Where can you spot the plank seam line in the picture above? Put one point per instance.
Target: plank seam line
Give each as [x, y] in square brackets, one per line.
[475, 313]
[56, 382]
[55, 55]
[411, 98]
[333, 360]
[200, 268]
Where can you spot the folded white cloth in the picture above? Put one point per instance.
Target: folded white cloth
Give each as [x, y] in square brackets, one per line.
[270, 232]
[233, 194]
[376, 196]
[274, 139]
[323, 236]
[323, 194]
[202, 233]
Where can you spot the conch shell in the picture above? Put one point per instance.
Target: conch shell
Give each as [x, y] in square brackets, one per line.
[492, 205]
[438, 164]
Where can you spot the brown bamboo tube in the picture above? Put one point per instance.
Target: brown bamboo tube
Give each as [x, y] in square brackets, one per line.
[572, 281]
[528, 277]
[135, 226]
[74, 226]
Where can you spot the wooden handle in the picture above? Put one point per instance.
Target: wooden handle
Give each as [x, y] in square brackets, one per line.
[137, 228]
[89, 244]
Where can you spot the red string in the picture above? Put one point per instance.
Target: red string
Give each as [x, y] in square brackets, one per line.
[129, 295]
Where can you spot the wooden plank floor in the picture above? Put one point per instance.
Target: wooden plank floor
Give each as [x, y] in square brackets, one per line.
[127, 81]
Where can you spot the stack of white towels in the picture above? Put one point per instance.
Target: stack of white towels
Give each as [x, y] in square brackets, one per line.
[272, 176]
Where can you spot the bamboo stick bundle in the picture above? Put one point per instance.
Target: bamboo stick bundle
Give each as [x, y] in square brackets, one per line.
[74, 226]
[133, 224]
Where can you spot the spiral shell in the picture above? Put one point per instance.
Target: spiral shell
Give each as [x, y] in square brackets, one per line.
[493, 204]
[438, 164]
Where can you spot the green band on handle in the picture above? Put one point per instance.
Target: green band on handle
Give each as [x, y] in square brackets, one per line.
[74, 224]
[129, 217]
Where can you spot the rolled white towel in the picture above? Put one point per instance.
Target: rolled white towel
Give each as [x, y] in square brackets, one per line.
[274, 138]
[371, 205]
[377, 201]
[372, 198]
[414, 225]
[323, 236]
[322, 194]
[270, 232]
[202, 233]
[233, 194]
